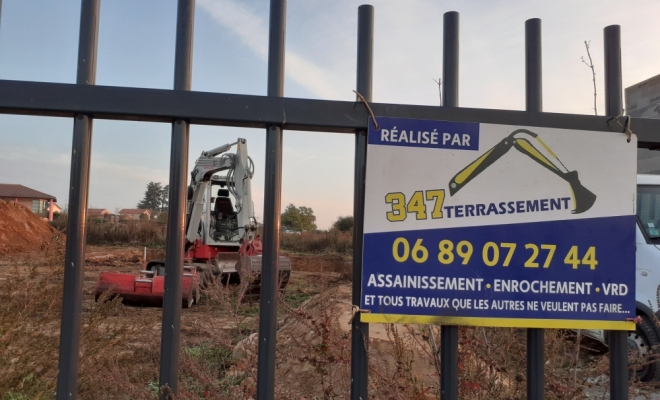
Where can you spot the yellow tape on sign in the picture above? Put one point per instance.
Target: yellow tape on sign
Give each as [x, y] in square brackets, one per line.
[498, 322]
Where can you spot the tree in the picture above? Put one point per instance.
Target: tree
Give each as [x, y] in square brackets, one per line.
[344, 224]
[155, 197]
[165, 198]
[300, 218]
[162, 217]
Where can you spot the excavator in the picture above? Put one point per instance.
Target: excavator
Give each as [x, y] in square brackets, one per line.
[221, 241]
[583, 198]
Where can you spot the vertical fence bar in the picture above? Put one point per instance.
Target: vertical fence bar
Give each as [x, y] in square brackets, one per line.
[272, 208]
[614, 106]
[171, 329]
[74, 260]
[364, 83]
[534, 103]
[449, 333]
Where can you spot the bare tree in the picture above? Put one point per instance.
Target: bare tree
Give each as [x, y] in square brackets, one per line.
[590, 64]
[439, 82]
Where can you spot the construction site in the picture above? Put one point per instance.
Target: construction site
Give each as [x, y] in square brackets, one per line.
[120, 344]
[504, 246]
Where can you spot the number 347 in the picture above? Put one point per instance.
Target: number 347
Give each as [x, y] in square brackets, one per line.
[416, 205]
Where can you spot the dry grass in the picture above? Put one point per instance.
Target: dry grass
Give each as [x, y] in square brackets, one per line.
[122, 344]
[332, 263]
[318, 242]
[30, 313]
[133, 233]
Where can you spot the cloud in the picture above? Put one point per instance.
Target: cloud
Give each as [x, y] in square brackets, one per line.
[30, 154]
[51, 175]
[253, 32]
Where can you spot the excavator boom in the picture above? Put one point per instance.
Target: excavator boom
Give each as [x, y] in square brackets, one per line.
[583, 199]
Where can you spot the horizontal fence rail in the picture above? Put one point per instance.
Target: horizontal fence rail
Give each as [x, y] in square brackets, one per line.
[181, 107]
[249, 111]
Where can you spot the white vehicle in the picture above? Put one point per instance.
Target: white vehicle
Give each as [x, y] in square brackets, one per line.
[646, 337]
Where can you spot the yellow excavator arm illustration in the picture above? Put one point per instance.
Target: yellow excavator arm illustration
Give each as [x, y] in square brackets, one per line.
[583, 199]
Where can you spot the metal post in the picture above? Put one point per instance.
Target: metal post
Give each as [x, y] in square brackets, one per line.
[171, 329]
[533, 68]
[359, 329]
[74, 260]
[449, 333]
[272, 208]
[534, 103]
[618, 340]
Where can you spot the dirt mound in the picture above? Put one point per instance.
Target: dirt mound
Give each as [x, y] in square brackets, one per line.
[21, 230]
[313, 353]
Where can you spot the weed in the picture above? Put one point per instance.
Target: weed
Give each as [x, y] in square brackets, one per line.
[295, 298]
[219, 357]
[333, 241]
[152, 386]
[15, 396]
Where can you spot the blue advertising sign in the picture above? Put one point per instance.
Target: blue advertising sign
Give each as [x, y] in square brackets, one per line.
[494, 225]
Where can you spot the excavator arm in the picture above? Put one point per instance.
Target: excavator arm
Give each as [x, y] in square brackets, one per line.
[583, 199]
[239, 169]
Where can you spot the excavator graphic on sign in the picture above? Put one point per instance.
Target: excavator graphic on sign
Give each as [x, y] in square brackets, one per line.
[583, 199]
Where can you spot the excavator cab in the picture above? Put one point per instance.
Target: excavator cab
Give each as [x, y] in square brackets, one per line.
[224, 224]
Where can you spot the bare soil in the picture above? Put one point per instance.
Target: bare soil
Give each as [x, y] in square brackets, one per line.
[22, 230]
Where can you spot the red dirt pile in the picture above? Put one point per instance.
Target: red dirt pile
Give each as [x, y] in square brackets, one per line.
[21, 230]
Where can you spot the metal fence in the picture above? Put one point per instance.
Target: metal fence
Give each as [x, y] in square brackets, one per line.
[84, 101]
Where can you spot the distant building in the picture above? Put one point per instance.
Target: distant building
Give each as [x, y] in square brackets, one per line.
[97, 212]
[39, 202]
[134, 214]
[643, 101]
[101, 214]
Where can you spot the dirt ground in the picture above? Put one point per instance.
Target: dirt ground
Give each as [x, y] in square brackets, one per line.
[22, 230]
[218, 355]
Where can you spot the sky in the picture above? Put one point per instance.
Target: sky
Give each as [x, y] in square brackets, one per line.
[39, 42]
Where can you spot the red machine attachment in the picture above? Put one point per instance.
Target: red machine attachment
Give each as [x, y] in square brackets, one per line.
[146, 289]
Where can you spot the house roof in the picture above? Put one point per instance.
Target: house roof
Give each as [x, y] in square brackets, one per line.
[22, 192]
[134, 211]
[97, 211]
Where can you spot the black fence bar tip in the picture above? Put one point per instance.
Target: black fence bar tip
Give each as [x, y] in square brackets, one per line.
[449, 333]
[364, 86]
[450, 56]
[533, 67]
[617, 340]
[534, 103]
[171, 328]
[272, 208]
[74, 260]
